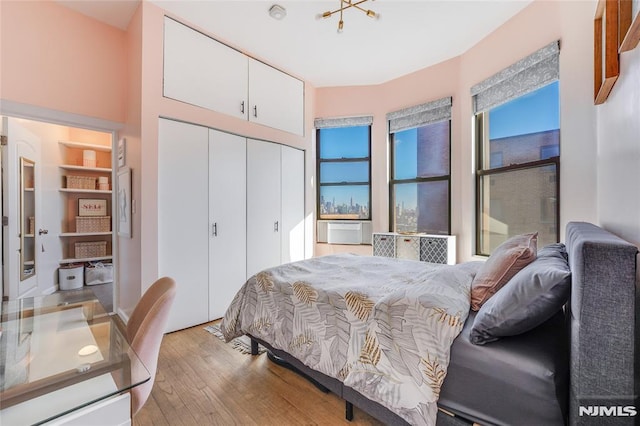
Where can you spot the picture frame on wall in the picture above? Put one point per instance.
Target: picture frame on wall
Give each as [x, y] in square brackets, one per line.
[123, 200]
[122, 152]
[629, 24]
[92, 207]
[606, 66]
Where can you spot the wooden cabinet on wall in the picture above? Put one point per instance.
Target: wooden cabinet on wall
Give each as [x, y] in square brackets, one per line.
[206, 208]
[204, 72]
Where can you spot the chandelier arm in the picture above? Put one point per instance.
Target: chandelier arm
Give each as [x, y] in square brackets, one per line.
[350, 5]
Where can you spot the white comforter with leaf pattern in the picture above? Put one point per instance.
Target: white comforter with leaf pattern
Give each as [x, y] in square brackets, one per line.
[382, 326]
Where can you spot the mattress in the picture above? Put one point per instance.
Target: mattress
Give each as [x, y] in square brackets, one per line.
[515, 380]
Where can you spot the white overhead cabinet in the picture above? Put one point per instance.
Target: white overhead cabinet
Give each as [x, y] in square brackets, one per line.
[204, 72]
[221, 212]
[276, 98]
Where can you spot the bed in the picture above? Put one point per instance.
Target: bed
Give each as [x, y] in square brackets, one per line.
[394, 337]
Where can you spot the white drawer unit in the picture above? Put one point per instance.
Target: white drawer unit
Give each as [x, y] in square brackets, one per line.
[423, 247]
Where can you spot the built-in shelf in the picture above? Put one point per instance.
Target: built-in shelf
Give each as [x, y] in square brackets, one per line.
[90, 191]
[86, 259]
[29, 235]
[81, 145]
[83, 234]
[86, 169]
[29, 262]
[28, 190]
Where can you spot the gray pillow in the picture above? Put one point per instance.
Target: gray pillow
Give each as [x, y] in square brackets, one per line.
[530, 298]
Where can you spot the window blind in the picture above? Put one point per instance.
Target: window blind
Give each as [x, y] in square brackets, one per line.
[365, 120]
[419, 115]
[528, 74]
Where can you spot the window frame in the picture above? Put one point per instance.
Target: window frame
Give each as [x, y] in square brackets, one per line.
[480, 122]
[393, 182]
[319, 162]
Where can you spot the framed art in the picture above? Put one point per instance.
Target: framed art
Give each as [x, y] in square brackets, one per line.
[605, 49]
[629, 24]
[92, 207]
[124, 203]
[122, 152]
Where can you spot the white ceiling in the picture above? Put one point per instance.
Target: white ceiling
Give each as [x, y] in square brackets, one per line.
[408, 36]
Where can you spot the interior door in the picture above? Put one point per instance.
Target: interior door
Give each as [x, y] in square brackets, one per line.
[227, 219]
[22, 147]
[263, 206]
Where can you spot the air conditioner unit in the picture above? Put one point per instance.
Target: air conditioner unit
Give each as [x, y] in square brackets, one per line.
[344, 233]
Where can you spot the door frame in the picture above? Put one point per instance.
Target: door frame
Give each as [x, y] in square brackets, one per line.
[36, 113]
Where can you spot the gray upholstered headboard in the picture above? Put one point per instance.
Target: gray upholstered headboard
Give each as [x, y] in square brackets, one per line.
[602, 322]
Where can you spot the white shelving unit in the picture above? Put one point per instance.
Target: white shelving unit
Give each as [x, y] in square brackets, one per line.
[422, 247]
[72, 158]
[84, 259]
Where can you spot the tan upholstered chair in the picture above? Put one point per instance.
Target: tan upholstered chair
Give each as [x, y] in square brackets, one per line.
[145, 329]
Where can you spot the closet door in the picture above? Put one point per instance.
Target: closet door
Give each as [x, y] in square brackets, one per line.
[227, 211]
[292, 176]
[263, 206]
[183, 218]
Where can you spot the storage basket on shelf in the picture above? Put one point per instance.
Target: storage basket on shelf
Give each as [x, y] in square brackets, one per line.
[90, 249]
[81, 182]
[93, 224]
[98, 273]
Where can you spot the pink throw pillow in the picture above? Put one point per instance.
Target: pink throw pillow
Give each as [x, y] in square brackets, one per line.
[505, 261]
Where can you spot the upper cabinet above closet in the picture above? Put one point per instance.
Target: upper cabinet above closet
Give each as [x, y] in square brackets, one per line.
[204, 72]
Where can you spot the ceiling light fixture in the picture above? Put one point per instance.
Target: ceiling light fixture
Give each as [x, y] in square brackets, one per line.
[347, 4]
[277, 12]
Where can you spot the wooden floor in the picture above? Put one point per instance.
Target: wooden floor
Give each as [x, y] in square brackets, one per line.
[204, 381]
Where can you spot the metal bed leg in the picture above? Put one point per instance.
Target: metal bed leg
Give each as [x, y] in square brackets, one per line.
[348, 411]
[254, 347]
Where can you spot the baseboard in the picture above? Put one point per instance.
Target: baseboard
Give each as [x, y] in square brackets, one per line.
[123, 315]
[50, 290]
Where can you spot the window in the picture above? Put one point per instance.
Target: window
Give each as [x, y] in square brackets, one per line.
[419, 190]
[344, 172]
[420, 179]
[519, 193]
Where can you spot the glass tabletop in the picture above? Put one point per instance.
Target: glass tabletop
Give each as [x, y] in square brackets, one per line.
[61, 352]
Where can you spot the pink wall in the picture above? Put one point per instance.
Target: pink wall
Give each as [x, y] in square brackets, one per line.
[56, 58]
[534, 27]
[130, 288]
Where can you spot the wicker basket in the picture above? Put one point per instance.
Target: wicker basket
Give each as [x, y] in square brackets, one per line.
[81, 182]
[93, 223]
[32, 225]
[91, 249]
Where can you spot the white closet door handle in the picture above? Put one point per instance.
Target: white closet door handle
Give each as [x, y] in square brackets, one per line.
[275, 226]
[214, 229]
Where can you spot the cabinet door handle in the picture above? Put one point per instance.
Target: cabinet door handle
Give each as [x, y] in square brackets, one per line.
[242, 107]
[43, 231]
[214, 229]
[255, 111]
[275, 226]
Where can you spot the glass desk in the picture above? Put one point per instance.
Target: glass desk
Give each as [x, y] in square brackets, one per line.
[59, 354]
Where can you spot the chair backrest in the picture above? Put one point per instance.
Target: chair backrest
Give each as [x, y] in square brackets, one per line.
[145, 329]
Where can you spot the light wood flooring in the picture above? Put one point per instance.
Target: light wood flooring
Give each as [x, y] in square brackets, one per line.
[203, 381]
